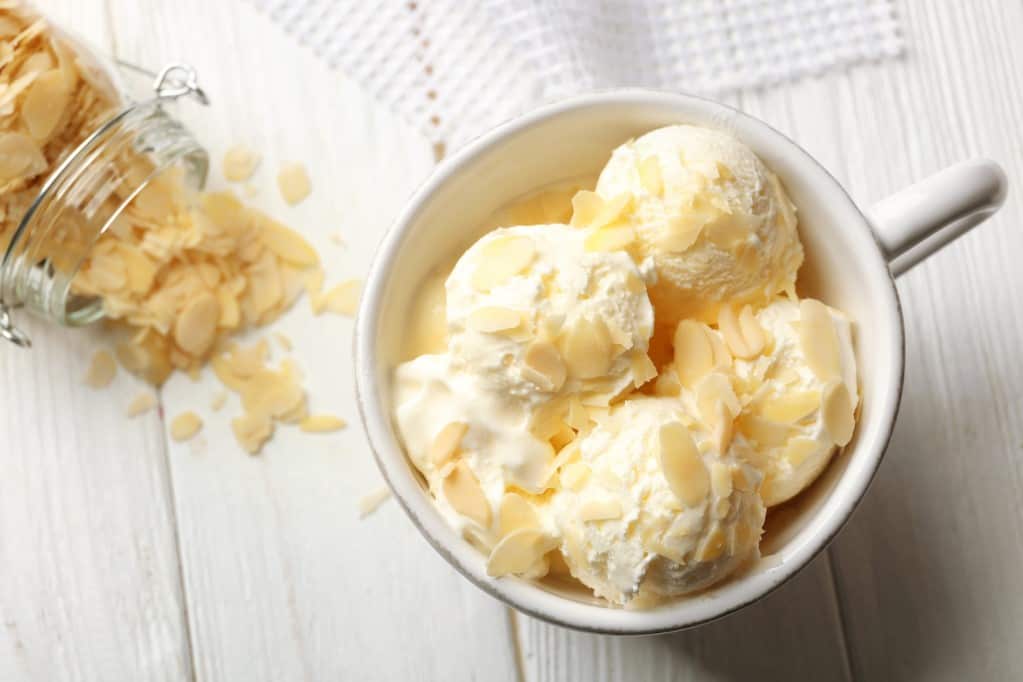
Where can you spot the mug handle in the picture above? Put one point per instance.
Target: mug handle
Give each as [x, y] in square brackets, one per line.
[917, 221]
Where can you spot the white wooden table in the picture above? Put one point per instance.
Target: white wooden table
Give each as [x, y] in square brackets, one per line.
[124, 556]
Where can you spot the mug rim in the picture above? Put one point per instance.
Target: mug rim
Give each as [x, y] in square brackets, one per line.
[525, 595]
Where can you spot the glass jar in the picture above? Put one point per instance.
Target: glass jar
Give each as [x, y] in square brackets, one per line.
[88, 190]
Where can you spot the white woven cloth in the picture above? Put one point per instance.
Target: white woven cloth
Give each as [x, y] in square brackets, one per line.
[455, 68]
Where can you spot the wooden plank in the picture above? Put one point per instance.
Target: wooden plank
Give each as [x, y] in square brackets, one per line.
[790, 635]
[928, 568]
[89, 585]
[283, 581]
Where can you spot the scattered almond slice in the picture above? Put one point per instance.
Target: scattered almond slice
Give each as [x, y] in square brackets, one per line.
[322, 423]
[102, 369]
[218, 401]
[185, 426]
[252, 431]
[764, 432]
[819, 340]
[140, 404]
[462, 491]
[240, 163]
[838, 415]
[682, 465]
[712, 546]
[446, 443]
[284, 341]
[344, 298]
[518, 552]
[371, 501]
[293, 182]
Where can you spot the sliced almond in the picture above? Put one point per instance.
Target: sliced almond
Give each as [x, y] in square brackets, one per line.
[789, 408]
[370, 502]
[682, 465]
[604, 509]
[837, 412]
[196, 328]
[721, 479]
[140, 404]
[518, 552]
[544, 366]
[20, 157]
[764, 432]
[185, 426]
[587, 349]
[577, 417]
[643, 369]
[713, 546]
[45, 103]
[462, 491]
[694, 352]
[293, 182]
[616, 237]
[819, 340]
[102, 369]
[500, 259]
[798, 450]
[574, 474]
[743, 334]
[493, 319]
[252, 431]
[240, 163]
[322, 423]
[447, 442]
[515, 513]
[650, 176]
[344, 298]
[288, 244]
[589, 209]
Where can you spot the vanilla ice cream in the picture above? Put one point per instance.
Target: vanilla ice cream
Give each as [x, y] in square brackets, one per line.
[652, 505]
[533, 315]
[533, 407]
[800, 395]
[716, 221]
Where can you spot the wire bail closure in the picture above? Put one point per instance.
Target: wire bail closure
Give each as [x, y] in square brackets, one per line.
[173, 82]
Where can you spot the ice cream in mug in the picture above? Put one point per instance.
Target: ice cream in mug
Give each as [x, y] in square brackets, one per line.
[618, 384]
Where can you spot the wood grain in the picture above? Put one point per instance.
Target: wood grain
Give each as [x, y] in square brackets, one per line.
[89, 580]
[284, 582]
[117, 551]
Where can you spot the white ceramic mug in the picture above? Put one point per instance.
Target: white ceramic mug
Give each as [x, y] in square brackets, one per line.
[851, 258]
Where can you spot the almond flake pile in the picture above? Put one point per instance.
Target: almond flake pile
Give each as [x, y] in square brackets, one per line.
[51, 98]
[183, 273]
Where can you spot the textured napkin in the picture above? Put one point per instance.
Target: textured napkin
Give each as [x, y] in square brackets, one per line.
[455, 68]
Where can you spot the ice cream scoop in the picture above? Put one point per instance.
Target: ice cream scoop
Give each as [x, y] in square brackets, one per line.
[533, 314]
[653, 507]
[715, 220]
[799, 396]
